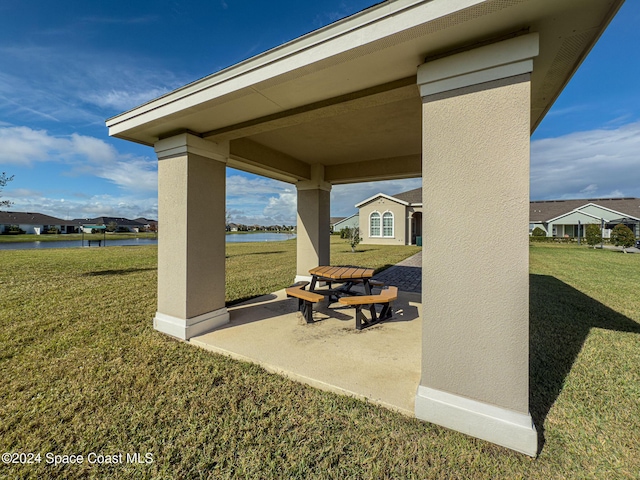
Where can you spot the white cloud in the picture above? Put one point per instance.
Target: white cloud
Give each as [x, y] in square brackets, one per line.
[244, 185]
[83, 206]
[123, 99]
[596, 163]
[24, 146]
[83, 155]
[252, 199]
[282, 208]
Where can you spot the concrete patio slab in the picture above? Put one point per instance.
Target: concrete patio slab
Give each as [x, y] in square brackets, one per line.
[380, 363]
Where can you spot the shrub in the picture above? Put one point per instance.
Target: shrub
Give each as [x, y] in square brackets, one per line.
[352, 235]
[622, 236]
[593, 234]
[538, 232]
[14, 230]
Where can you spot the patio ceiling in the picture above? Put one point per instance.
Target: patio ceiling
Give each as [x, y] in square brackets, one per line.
[346, 94]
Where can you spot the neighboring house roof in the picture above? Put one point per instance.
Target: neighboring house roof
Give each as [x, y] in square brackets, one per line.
[145, 221]
[30, 218]
[383, 195]
[334, 220]
[546, 210]
[346, 219]
[412, 196]
[576, 211]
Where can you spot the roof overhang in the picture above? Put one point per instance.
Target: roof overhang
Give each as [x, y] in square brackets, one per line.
[381, 195]
[347, 218]
[345, 96]
[579, 210]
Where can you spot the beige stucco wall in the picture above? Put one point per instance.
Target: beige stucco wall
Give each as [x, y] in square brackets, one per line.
[382, 205]
[191, 247]
[476, 293]
[314, 230]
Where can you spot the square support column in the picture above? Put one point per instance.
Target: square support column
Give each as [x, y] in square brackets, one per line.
[191, 247]
[475, 285]
[313, 223]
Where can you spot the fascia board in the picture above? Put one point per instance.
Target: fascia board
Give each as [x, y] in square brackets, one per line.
[609, 210]
[384, 195]
[575, 210]
[578, 210]
[376, 23]
[347, 218]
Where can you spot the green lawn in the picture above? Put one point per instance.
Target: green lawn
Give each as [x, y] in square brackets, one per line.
[83, 371]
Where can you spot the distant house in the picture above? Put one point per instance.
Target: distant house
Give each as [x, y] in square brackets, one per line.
[232, 227]
[119, 224]
[149, 225]
[34, 223]
[559, 218]
[338, 223]
[392, 220]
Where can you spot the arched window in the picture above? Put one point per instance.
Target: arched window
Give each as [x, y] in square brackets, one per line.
[387, 224]
[374, 224]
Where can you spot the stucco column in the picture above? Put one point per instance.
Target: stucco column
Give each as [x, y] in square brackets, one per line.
[313, 223]
[191, 246]
[475, 285]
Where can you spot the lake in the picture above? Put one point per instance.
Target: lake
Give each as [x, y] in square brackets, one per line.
[233, 238]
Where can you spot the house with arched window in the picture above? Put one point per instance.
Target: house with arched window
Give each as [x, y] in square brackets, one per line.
[392, 220]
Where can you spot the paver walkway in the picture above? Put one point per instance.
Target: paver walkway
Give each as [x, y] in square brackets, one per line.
[406, 275]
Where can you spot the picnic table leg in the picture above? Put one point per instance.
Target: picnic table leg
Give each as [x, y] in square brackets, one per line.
[306, 308]
[367, 291]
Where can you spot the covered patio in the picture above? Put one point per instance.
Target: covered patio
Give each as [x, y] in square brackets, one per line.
[380, 364]
[449, 91]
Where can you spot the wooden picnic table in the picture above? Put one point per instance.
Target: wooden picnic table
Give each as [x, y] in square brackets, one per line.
[346, 274]
[342, 274]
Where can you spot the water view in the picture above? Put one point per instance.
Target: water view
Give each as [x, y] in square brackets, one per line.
[233, 238]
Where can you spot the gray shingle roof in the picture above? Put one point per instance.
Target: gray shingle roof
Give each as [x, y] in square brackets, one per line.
[30, 218]
[412, 196]
[542, 211]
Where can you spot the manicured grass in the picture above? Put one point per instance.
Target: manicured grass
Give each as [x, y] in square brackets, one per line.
[84, 371]
[242, 258]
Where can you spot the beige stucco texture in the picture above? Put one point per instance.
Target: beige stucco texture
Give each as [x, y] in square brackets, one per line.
[191, 264]
[313, 221]
[475, 293]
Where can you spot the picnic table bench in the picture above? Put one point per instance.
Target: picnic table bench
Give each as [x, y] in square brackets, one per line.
[99, 242]
[384, 298]
[306, 299]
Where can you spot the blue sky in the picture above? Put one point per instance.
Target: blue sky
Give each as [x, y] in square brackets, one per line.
[66, 66]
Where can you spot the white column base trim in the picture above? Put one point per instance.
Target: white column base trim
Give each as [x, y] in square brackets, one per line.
[190, 327]
[302, 278]
[481, 420]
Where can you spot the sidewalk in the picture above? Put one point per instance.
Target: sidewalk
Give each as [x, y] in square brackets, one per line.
[406, 275]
